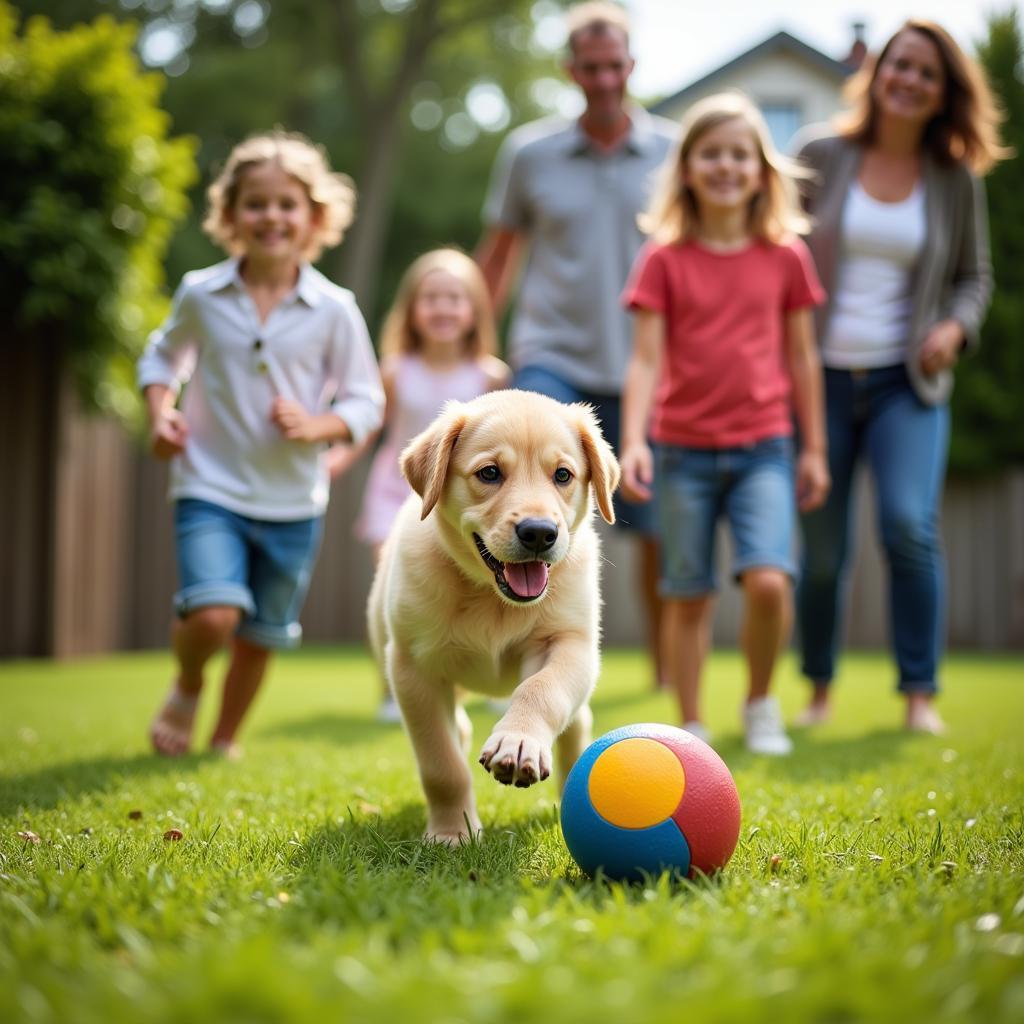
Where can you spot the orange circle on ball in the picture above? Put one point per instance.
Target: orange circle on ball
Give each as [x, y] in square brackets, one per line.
[636, 783]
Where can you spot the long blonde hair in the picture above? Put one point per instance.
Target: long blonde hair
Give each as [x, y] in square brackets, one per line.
[398, 335]
[965, 130]
[333, 195]
[774, 215]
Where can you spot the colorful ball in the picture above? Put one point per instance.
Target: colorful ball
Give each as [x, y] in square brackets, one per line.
[649, 798]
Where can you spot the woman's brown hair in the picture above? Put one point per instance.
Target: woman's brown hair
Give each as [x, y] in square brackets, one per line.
[965, 130]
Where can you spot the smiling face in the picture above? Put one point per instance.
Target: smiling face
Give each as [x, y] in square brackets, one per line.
[272, 216]
[910, 83]
[442, 314]
[518, 498]
[601, 66]
[724, 168]
[510, 474]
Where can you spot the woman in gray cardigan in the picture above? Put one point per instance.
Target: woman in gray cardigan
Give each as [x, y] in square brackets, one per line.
[901, 245]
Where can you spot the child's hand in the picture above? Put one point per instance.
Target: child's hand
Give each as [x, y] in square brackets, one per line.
[813, 481]
[292, 420]
[340, 458]
[169, 434]
[637, 465]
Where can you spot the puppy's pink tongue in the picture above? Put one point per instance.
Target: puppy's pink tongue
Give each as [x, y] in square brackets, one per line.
[527, 579]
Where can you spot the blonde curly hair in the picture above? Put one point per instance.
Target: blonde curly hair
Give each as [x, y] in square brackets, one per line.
[333, 195]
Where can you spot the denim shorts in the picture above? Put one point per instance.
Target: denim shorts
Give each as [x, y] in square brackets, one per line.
[752, 487]
[261, 567]
[637, 517]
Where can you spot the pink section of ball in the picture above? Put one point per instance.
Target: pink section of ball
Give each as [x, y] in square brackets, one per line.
[709, 813]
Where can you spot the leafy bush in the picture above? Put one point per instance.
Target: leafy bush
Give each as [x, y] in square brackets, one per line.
[988, 411]
[90, 190]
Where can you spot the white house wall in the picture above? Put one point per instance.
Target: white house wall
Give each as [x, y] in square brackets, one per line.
[774, 78]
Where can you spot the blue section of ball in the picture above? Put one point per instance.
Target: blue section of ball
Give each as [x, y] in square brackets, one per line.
[622, 853]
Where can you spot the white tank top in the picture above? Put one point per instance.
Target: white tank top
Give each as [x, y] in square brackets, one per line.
[871, 305]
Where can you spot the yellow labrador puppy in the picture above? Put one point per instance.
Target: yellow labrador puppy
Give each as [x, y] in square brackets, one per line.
[489, 582]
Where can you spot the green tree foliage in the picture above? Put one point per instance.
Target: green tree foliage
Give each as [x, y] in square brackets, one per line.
[354, 76]
[988, 401]
[90, 190]
[384, 85]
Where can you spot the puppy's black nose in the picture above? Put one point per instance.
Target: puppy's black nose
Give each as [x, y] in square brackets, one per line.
[537, 535]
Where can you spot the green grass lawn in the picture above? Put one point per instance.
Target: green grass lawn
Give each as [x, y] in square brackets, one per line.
[878, 875]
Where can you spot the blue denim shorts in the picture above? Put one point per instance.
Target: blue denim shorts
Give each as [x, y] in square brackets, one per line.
[261, 567]
[637, 517]
[752, 487]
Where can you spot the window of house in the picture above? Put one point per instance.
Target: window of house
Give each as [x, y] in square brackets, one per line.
[784, 119]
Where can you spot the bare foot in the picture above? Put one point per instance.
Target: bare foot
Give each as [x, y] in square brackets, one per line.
[819, 710]
[227, 749]
[816, 713]
[171, 731]
[922, 716]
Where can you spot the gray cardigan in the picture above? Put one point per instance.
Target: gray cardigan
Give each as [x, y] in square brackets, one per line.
[953, 277]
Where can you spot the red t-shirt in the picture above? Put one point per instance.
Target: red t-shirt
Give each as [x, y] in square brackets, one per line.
[724, 376]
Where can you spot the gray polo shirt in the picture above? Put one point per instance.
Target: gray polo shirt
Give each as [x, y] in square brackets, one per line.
[577, 207]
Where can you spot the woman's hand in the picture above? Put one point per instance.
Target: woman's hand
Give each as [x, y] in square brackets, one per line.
[637, 464]
[813, 480]
[169, 434]
[941, 347]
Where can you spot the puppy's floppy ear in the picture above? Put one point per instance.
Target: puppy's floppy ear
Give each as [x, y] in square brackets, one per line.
[424, 461]
[604, 467]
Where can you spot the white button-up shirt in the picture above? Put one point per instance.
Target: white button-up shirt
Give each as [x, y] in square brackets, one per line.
[313, 348]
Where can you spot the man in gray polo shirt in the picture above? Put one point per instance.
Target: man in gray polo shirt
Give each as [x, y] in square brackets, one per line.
[568, 194]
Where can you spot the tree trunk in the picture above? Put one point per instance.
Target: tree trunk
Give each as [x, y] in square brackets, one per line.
[362, 254]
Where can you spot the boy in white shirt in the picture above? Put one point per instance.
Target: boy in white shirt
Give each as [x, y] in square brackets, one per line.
[279, 363]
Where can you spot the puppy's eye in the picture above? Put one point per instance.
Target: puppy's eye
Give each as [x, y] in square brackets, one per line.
[562, 475]
[489, 474]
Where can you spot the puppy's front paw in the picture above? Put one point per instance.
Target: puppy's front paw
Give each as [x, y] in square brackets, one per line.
[514, 758]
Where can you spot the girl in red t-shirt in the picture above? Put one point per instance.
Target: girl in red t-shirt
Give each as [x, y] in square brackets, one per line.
[723, 355]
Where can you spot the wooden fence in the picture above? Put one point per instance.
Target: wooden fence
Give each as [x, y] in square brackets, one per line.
[88, 564]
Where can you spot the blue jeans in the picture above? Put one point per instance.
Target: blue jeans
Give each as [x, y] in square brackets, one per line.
[751, 486]
[874, 415]
[261, 567]
[630, 516]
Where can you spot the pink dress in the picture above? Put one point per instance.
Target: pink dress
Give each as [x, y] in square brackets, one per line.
[419, 392]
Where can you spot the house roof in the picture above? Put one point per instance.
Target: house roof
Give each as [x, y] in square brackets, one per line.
[781, 42]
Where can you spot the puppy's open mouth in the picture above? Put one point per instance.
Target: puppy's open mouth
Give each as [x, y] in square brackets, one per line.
[518, 581]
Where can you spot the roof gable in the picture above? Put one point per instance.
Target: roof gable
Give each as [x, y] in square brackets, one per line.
[780, 43]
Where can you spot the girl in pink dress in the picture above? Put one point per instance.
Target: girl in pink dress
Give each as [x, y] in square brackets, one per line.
[438, 343]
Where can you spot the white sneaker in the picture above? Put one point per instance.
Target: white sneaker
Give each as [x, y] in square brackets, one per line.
[697, 729]
[389, 711]
[762, 722]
